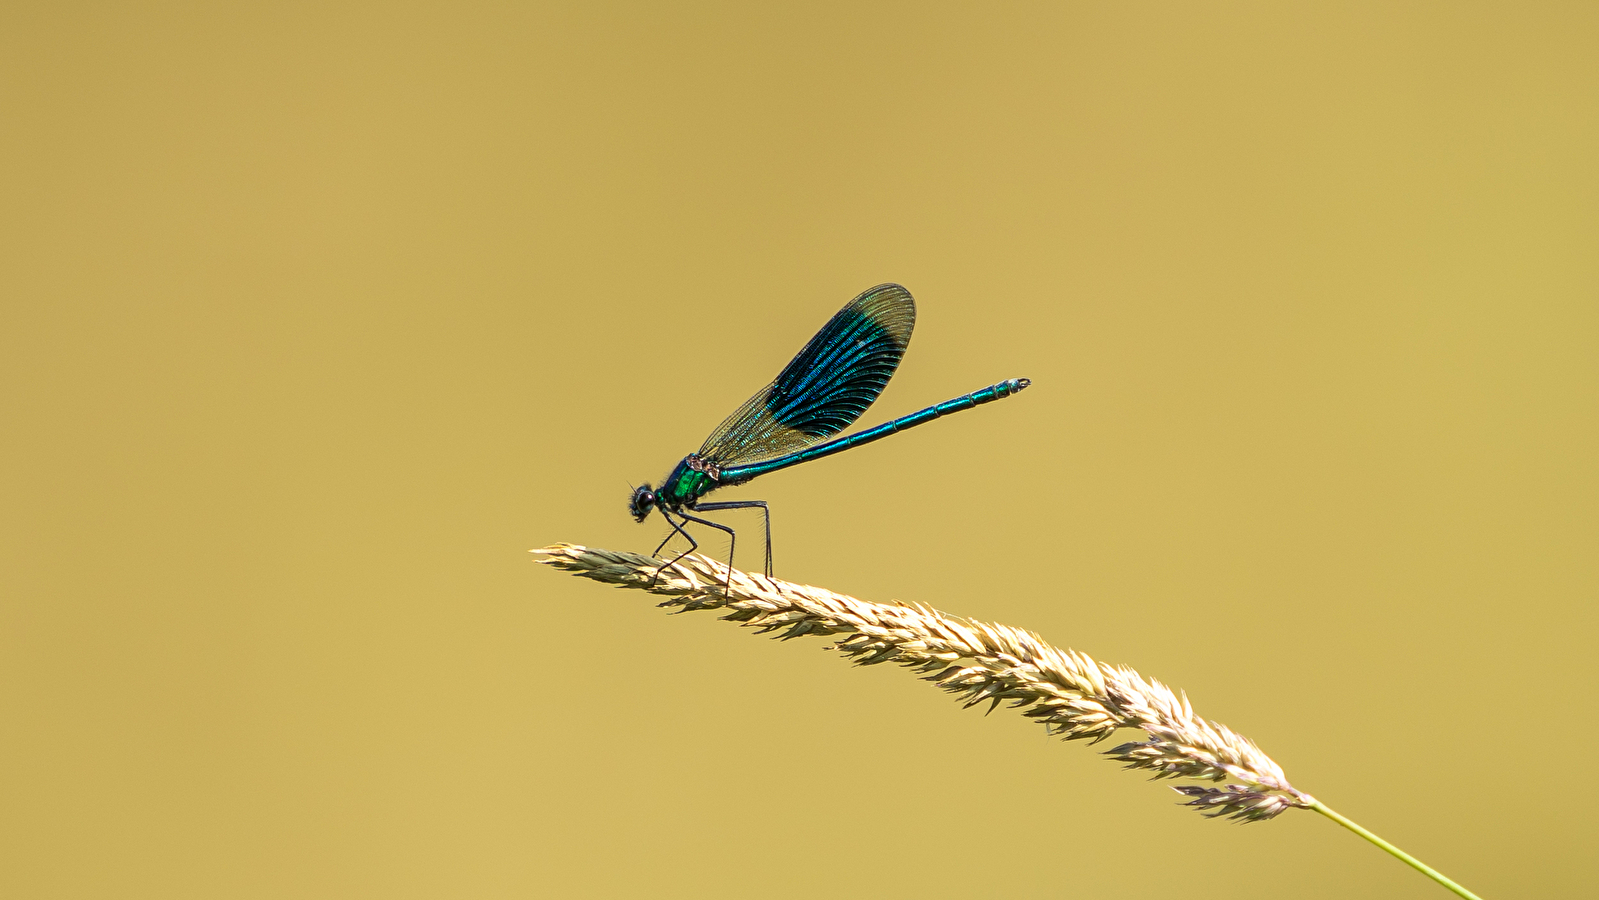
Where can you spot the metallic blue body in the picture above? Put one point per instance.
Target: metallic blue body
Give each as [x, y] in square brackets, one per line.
[822, 391]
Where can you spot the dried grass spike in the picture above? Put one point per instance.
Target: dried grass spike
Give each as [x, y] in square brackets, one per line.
[980, 663]
[1066, 691]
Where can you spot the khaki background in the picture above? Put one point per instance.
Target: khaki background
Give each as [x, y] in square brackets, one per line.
[318, 316]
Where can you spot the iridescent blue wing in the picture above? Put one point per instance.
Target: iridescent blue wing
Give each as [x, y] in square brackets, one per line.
[826, 387]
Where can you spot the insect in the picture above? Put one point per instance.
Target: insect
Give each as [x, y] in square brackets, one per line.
[821, 392]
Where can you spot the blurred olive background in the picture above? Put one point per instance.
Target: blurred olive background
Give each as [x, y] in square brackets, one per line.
[318, 316]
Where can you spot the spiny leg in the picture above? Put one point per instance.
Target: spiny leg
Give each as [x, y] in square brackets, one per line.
[766, 515]
[732, 544]
[666, 540]
[676, 529]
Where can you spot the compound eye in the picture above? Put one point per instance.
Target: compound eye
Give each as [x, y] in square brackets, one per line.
[639, 504]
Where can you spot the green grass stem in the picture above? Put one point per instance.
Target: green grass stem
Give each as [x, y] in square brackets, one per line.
[1404, 857]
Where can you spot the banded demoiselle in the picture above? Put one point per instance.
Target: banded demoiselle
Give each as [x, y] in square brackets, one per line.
[818, 394]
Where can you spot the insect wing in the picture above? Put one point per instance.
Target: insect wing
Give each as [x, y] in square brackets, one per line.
[824, 388]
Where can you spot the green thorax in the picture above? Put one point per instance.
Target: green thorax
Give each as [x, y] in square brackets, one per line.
[692, 479]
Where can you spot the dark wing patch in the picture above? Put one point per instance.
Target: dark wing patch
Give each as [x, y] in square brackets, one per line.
[824, 388]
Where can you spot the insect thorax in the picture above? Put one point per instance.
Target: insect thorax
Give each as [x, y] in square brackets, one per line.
[692, 479]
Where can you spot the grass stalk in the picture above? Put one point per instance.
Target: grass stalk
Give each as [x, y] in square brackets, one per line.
[1072, 695]
[1404, 857]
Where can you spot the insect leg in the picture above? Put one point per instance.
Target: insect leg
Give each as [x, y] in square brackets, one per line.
[766, 515]
[676, 529]
[664, 541]
[732, 544]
